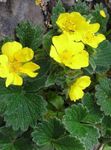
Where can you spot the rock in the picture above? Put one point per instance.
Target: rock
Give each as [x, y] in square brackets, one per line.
[13, 12]
[68, 2]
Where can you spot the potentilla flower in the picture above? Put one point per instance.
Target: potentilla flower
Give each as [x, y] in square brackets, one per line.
[80, 29]
[71, 22]
[76, 90]
[91, 37]
[69, 53]
[15, 62]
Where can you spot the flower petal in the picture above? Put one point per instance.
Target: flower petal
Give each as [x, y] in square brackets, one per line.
[10, 48]
[83, 82]
[75, 93]
[54, 54]
[24, 55]
[4, 69]
[14, 79]
[79, 60]
[29, 69]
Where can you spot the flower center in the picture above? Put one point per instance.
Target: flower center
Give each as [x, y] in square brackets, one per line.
[15, 66]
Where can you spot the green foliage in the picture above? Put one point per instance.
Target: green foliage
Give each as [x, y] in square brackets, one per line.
[39, 114]
[55, 100]
[82, 7]
[52, 134]
[103, 95]
[106, 127]
[94, 115]
[96, 17]
[10, 140]
[76, 123]
[56, 12]
[21, 109]
[29, 35]
[102, 55]
[24, 110]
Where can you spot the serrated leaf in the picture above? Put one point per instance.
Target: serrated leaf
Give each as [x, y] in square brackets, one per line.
[11, 140]
[52, 134]
[102, 55]
[103, 95]
[56, 12]
[106, 127]
[75, 122]
[81, 7]
[47, 40]
[24, 110]
[56, 100]
[94, 115]
[68, 143]
[29, 35]
[96, 17]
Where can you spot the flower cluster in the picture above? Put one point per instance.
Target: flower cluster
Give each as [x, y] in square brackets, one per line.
[16, 61]
[69, 47]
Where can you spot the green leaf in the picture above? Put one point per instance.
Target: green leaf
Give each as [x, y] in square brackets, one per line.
[68, 143]
[76, 123]
[29, 35]
[10, 140]
[102, 55]
[56, 12]
[81, 7]
[47, 40]
[23, 110]
[51, 79]
[94, 115]
[106, 127]
[96, 17]
[107, 147]
[103, 95]
[52, 134]
[56, 100]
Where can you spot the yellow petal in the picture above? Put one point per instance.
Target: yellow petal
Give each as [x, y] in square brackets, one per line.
[71, 22]
[17, 80]
[60, 42]
[75, 93]
[79, 61]
[3, 59]
[83, 82]
[9, 79]
[14, 79]
[29, 68]
[4, 69]
[10, 48]
[102, 13]
[93, 28]
[54, 54]
[93, 40]
[24, 55]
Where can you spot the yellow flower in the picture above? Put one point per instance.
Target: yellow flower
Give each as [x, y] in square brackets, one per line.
[76, 90]
[90, 37]
[102, 13]
[71, 22]
[69, 53]
[16, 61]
